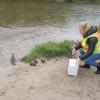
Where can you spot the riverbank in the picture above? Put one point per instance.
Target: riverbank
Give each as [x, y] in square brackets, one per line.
[21, 40]
[49, 81]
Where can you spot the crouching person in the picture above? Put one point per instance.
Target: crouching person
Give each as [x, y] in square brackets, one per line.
[89, 47]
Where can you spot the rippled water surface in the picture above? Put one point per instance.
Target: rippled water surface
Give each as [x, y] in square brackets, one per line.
[25, 23]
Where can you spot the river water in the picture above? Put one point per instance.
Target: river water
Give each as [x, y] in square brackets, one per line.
[23, 24]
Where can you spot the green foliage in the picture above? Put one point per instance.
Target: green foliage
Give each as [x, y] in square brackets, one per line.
[49, 50]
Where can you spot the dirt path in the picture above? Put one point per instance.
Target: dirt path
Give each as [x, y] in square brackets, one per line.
[49, 81]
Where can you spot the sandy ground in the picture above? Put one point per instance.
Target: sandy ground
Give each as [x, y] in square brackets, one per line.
[49, 81]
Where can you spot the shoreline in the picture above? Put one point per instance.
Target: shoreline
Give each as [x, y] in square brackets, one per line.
[26, 39]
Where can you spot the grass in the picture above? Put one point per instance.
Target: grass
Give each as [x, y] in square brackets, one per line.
[49, 50]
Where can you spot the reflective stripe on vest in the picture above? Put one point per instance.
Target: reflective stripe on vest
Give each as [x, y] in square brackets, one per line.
[85, 46]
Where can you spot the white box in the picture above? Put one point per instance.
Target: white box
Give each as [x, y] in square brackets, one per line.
[72, 67]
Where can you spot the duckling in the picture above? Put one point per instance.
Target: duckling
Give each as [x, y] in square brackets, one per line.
[13, 60]
[43, 60]
[33, 63]
[36, 61]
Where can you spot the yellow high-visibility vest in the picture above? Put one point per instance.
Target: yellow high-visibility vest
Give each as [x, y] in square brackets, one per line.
[85, 47]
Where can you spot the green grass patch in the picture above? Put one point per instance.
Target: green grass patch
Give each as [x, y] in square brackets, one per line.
[49, 50]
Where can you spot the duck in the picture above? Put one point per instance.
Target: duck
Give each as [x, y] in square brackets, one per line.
[13, 59]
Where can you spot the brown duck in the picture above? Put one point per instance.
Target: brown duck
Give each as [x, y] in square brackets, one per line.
[13, 60]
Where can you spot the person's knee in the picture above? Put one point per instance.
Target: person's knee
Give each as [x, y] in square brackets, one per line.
[87, 62]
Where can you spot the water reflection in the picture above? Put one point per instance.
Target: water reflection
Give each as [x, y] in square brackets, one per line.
[27, 13]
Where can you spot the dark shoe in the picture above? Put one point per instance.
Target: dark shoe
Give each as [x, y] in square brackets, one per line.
[98, 70]
[85, 66]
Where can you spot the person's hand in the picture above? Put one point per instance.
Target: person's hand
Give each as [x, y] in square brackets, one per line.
[80, 62]
[73, 51]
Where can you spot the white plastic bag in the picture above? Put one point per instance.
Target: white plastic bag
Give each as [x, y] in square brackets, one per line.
[72, 67]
